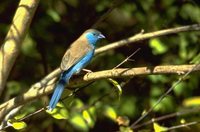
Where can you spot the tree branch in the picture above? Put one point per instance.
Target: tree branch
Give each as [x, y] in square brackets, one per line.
[129, 72]
[46, 85]
[132, 39]
[141, 36]
[15, 36]
[36, 92]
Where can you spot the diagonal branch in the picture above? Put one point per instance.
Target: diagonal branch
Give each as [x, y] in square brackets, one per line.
[15, 36]
[35, 92]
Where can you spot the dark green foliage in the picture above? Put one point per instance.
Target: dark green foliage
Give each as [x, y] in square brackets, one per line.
[57, 23]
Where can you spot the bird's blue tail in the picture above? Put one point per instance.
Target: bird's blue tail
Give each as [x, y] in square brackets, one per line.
[59, 89]
[57, 94]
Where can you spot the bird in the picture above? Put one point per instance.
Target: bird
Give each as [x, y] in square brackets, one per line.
[76, 57]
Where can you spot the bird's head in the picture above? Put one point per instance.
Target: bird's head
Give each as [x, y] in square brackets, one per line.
[93, 36]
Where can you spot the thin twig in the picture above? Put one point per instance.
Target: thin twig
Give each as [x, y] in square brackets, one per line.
[127, 59]
[180, 113]
[163, 96]
[183, 125]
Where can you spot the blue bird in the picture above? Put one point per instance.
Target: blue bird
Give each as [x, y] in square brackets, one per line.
[74, 60]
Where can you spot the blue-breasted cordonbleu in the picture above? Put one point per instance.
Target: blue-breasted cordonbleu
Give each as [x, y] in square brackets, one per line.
[75, 58]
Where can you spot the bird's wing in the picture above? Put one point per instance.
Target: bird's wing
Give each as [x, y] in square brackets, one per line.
[75, 53]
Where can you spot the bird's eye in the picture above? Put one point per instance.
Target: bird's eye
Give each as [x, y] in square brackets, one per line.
[94, 34]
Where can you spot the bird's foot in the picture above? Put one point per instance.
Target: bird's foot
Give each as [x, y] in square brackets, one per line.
[87, 70]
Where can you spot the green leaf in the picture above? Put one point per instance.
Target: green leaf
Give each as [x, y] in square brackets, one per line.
[117, 86]
[18, 125]
[60, 112]
[157, 46]
[193, 101]
[158, 128]
[54, 15]
[78, 121]
[110, 113]
[88, 118]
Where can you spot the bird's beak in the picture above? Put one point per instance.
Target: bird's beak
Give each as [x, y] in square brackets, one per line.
[101, 36]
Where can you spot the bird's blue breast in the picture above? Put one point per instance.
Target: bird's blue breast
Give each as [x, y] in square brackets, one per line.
[79, 65]
[84, 61]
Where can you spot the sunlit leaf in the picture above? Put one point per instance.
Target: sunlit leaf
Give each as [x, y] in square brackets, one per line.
[158, 47]
[158, 128]
[88, 118]
[18, 125]
[79, 122]
[193, 101]
[60, 112]
[110, 113]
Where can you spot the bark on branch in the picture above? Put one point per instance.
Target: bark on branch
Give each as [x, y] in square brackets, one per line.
[15, 36]
[39, 89]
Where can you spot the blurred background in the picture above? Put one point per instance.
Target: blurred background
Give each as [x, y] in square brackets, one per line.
[57, 23]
